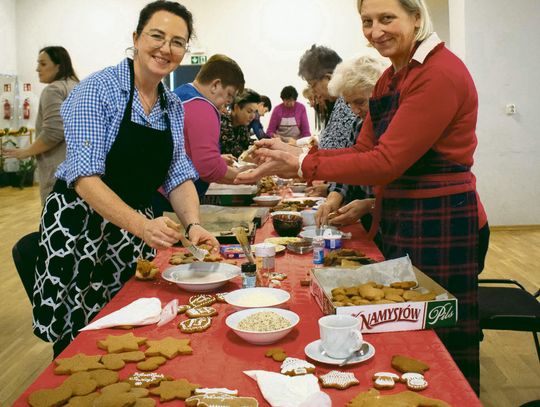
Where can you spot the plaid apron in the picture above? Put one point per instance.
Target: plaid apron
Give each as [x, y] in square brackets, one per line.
[439, 234]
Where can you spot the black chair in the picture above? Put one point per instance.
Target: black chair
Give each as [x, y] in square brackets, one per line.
[509, 308]
[25, 254]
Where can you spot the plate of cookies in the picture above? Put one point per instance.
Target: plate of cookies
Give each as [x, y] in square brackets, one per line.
[201, 276]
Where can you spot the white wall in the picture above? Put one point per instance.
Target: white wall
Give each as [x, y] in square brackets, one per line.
[8, 54]
[267, 37]
[505, 65]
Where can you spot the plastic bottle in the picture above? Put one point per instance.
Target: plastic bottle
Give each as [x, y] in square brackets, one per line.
[318, 251]
[265, 257]
[249, 275]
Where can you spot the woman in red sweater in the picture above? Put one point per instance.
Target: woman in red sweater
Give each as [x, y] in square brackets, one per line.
[416, 146]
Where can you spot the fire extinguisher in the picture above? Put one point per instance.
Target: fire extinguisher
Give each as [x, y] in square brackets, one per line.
[7, 110]
[26, 109]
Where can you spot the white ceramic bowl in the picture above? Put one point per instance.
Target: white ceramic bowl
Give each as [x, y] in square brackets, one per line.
[257, 337]
[298, 187]
[257, 297]
[267, 200]
[201, 276]
[310, 232]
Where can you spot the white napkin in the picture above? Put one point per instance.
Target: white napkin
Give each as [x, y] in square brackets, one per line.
[290, 391]
[144, 311]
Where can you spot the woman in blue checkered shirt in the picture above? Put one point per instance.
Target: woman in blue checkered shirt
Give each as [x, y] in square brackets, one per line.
[124, 137]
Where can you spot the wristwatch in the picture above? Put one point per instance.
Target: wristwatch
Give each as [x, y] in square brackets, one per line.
[188, 228]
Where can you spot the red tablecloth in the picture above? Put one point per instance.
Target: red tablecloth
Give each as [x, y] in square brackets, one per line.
[220, 357]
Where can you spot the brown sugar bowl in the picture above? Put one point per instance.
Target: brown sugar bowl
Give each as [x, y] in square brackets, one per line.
[287, 223]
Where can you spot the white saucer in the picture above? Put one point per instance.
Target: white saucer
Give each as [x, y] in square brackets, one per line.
[314, 349]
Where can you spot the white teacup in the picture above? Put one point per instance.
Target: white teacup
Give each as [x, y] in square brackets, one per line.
[340, 335]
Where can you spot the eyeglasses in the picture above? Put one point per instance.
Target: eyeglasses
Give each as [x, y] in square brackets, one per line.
[177, 45]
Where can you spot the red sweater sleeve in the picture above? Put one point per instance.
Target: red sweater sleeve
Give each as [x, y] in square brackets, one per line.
[201, 132]
[431, 114]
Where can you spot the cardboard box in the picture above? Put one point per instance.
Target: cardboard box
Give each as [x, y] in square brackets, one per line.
[407, 316]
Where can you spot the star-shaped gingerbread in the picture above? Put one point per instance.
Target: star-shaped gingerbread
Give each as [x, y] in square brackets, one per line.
[121, 343]
[177, 389]
[169, 347]
[78, 363]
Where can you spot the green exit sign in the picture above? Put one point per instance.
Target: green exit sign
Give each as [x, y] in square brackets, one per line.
[198, 59]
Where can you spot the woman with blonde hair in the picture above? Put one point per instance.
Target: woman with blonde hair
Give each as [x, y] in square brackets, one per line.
[353, 80]
[416, 146]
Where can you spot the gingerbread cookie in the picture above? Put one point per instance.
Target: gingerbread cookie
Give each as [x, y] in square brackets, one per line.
[80, 383]
[338, 380]
[296, 367]
[83, 401]
[175, 389]
[121, 343]
[193, 325]
[278, 354]
[151, 363]
[414, 381]
[201, 300]
[103, 377]
[50, 397]
[201, 312]
[277, 276]
[168, 347]
[146, 270]
[183, 308]
[146, 379]
[373, 398]
[220, 399]
[78, 363]
[405, 364]
[406, 285]
[122, 394]
[207, 390]
[385, 380]
[220, 297]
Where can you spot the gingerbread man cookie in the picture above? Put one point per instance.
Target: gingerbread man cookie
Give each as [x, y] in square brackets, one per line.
[193, 325]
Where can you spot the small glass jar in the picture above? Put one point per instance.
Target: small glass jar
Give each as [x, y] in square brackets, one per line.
[249, 275]
[318, 251]
[265, 258]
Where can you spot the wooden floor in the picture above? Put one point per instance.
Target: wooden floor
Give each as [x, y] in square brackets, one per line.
[510, 370]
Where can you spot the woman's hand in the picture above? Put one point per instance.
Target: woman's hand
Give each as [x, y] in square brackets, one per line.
[273, 162]
[352, 212]
[329, 206]
[277, 144]
[199, 235]
[161, 233]
[19, 153]
[229, 159]
[317, 190]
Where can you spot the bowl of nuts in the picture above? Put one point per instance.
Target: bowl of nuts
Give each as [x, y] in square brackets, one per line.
[262, 326]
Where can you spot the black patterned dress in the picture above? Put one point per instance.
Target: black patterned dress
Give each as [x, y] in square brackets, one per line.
[83, 259]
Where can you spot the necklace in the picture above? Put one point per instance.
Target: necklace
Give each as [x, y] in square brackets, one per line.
[146, 105]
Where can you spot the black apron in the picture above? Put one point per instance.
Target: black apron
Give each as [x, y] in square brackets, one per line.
[83, 259]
